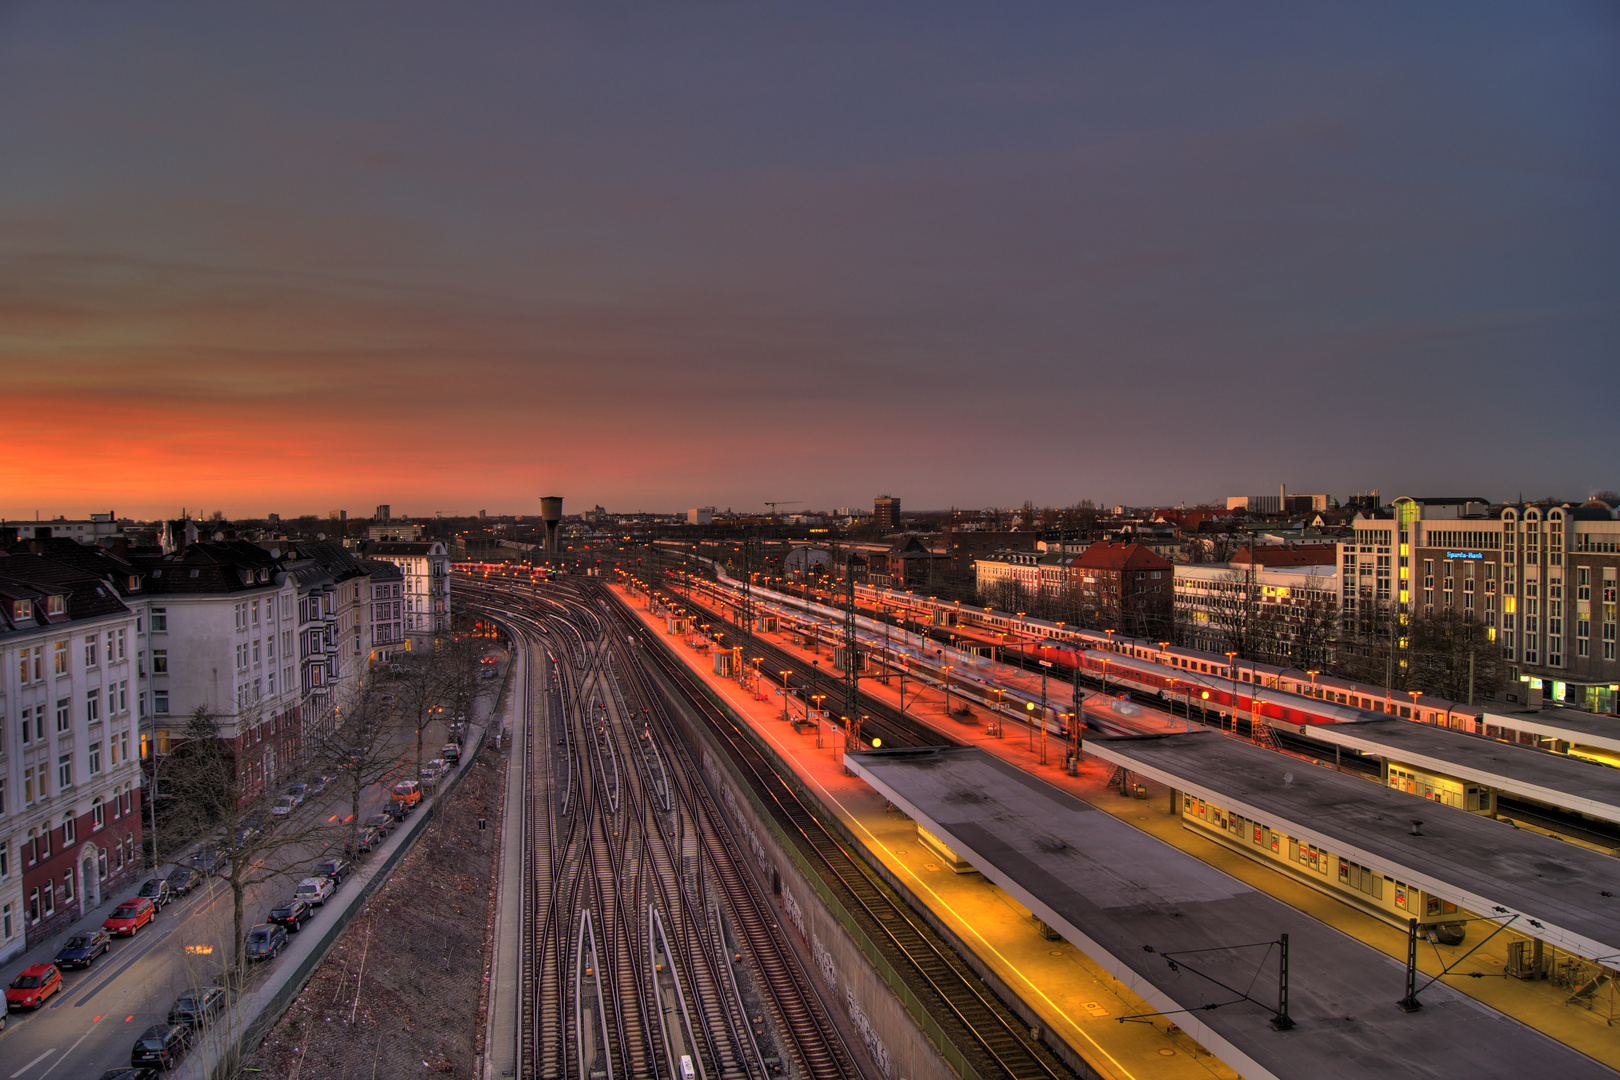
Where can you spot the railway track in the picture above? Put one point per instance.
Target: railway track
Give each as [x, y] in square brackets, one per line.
[621, 849]
[992, 1039]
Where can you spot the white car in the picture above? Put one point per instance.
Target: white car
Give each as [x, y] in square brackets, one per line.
[314, 890]
[284, 805]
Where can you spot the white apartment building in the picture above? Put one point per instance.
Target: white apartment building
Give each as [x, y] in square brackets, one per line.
[70, 829]
[222, 634]
[426, 569]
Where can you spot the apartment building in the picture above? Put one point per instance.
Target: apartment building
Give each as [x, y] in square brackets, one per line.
[70, 828]
[425, 567]
[222, 632]
[1275, 603]
[387, 608]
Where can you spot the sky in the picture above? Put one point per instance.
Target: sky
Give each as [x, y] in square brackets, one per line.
[288, 258]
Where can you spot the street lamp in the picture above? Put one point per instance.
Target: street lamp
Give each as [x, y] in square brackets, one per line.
[947, 670]
[785, 675]
[1415, 695]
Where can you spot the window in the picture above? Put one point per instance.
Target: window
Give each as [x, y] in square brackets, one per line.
[64, 772]
[59, 658]
[5, 921]
[160, 702]
[160, 662]
[122, 637]
[67, 887]
[28, 785]
[27, 725]
[95, 758]
[123, 695]
[111, 655]
[90, 651]
[92, 707]
[33, 905]
[70, 830]
[2, 811]
[98, 814]
[160, 619]
[64, 709]
[5, 860]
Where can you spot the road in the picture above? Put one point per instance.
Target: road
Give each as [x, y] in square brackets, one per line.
[91, 1025]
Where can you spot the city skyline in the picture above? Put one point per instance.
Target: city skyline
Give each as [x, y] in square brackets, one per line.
[269, 260]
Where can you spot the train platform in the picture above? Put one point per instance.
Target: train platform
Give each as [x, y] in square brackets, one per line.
[1077, 1001]
[1541, 1005]
[1569, 894]
[1198, 944]
[1541, 776]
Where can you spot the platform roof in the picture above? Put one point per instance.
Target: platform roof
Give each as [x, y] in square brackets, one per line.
[1572, 783]
[1588, 729]
[1115, 892]
[1480, 863]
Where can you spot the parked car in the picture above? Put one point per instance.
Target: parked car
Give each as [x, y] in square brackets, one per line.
[368, 838]
[156, 890]
[292, 913]
[248, 829]
[451, 753]
[132, 1074]
[383, 823]
[284, 806]
[298, 791]
[318, 785]
[335, 870]
[162, 1045]
[32, 986]
[197, 1006]
[81, 950]
[408, 792]
[315, 890]
[208, 860]
[130, 916]
[182, 879]
[265, 942]
[399, 811]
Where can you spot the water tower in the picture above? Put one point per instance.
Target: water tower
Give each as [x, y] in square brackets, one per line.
[551, 516]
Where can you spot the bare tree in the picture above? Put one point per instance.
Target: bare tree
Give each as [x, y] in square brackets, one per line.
[1454, 657]
[361, 748]
[250, 845]
[421, 689]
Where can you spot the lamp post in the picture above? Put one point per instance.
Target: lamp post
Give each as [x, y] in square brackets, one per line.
[997, 725]
[946, 670]
[818, 699]
[1313, 675]
[1415, 695]
[785, 675]
[1231, 671]
[1076, 721]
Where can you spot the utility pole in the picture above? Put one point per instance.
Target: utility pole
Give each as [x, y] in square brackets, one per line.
[852, 708]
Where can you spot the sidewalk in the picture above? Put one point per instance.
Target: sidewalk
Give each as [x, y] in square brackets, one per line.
[1536, 1004]
[505, 962]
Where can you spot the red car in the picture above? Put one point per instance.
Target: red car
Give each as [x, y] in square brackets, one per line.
[30, 989]
[130, 916]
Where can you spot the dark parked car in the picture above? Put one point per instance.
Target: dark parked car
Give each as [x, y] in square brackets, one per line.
[182, 879]
[156, 890]
[162, 1045]
[292, 913]
[318, 785]
[369, 838]
[383, 823]
[208, 860]
[397, 810]
[336, 869]
[265, 942]
[197, 1006]
[82, 949]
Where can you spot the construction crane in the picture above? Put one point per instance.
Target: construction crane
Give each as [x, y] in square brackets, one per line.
[782, 502]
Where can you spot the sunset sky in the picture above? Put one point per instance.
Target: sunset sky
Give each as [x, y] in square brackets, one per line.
[289, 258]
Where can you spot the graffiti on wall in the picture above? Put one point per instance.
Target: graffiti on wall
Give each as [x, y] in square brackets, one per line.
[863, 1026]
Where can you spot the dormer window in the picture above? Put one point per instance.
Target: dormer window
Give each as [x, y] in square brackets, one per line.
[22, 610]
[56, 604]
